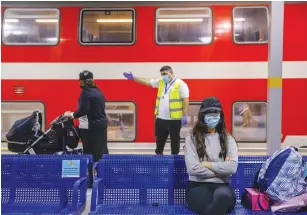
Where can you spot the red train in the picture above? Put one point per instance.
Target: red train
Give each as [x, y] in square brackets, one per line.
[217, 48]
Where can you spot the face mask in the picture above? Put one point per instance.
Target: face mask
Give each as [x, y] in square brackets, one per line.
[211, 121]
[165, 78]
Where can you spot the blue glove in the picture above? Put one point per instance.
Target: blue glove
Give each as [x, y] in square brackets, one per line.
[129, 75]
[184, 120]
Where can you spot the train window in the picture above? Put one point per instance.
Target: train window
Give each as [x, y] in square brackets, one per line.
[192, 119]
[122, 121]
[249, 121]
[107, 26]
[26, 26]
[13, 111]
[183, 26]
[250, 24]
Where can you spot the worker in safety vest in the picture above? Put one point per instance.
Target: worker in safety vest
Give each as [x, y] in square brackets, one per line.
[171, 107]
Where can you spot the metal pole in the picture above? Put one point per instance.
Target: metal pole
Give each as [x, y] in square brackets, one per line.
[274, 92]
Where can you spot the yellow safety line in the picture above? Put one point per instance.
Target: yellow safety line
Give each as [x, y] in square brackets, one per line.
[274, 82]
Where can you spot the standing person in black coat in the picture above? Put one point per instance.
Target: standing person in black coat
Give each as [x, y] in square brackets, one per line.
[92, 105]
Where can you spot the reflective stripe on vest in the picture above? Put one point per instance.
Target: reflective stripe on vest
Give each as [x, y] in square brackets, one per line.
[175, 101]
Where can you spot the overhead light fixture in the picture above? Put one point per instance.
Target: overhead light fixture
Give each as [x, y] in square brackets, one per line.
[114, 20]
[239, 19]
[17, 32]
[181, 20]
[46, 20]
[7, 26]
[11, 20]
[52, 39]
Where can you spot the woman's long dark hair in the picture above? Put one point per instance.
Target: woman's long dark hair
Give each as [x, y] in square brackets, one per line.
[88, 83]
[199, 131]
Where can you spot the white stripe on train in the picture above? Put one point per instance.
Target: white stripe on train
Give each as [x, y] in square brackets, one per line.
[190, 70]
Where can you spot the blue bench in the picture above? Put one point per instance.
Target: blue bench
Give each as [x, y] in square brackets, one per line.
[150, 184]
[34, 184]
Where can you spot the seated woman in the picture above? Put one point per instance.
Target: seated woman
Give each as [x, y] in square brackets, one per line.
[211, 156]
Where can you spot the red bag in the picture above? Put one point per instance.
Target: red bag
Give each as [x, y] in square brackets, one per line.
[255, 200]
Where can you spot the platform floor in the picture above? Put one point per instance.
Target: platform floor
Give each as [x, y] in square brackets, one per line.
[88, 202]
[149, 148]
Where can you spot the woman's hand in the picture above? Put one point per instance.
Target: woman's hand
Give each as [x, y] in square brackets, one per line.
[207, 164]
[228, 158]
[67, 114]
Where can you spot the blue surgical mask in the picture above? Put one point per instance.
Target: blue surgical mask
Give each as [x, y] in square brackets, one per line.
[212, 120]
[165, 78]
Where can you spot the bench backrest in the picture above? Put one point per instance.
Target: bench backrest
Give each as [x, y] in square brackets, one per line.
[147, 179]
[136, 179]
[41, 178]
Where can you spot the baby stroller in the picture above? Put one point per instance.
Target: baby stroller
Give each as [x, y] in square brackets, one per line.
[26, 136]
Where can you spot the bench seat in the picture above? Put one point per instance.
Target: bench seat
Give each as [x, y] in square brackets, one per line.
[171, 210]
[33, 209]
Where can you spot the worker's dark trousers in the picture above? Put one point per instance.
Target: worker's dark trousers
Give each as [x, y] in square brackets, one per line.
[210, 198]
[163, 128]
[94, 142]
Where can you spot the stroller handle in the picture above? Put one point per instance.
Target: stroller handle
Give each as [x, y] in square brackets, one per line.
[60, 120]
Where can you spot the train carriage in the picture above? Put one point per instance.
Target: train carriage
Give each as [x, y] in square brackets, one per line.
[218, 48]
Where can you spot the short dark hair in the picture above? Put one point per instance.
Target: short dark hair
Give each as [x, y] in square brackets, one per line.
[166, 68]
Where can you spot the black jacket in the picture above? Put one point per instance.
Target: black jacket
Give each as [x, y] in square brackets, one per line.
[92, 103]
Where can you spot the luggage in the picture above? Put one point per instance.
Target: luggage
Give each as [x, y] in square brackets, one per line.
[282, 175]
[72, 137]
[255, 200]
[293, 205]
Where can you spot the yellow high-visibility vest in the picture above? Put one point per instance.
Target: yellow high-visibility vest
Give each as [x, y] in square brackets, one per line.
[175, 101]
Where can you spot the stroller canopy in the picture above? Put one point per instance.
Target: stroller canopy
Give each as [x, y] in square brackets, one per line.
[25, 129]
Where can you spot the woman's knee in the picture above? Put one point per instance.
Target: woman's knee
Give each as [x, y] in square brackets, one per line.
[198, 199]
[224, 201]
[226, 195]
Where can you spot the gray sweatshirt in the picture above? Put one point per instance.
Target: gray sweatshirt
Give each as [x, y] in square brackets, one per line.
[221, 170]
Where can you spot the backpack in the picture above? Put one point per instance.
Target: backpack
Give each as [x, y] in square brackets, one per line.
[282, 175]
[72, 137]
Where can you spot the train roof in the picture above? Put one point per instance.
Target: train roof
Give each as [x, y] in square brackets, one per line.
[134, 3]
